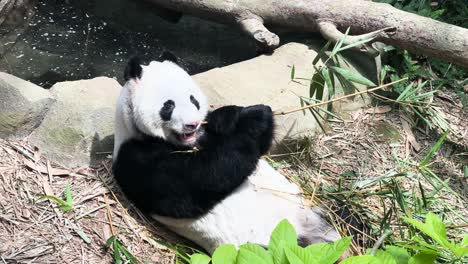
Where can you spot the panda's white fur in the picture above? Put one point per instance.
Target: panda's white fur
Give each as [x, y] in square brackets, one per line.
[250, 212]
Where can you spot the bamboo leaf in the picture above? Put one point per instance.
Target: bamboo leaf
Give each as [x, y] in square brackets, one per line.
[352, 76]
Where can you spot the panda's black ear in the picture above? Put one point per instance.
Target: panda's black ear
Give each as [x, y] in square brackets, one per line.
[133, 69]
[168, 56]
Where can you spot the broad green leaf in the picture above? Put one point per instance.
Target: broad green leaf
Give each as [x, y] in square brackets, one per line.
[329, 252]
[292, 257]
[279, 256]
[361, 260]
[352, 76]
[225, 254]
[422, 258]
[199, 259]
[303, 254]
[434, 228]
[464, 242]
[252, 253]
[399, 254]
[384, 257]
[283, 231]
[460, 251]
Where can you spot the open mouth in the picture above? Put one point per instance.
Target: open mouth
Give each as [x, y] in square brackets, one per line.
[188, 137]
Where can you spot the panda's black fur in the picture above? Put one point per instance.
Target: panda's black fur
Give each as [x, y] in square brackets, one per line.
[170, 180]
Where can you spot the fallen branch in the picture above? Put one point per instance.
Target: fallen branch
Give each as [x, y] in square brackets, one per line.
[365, 19]
[331, 32]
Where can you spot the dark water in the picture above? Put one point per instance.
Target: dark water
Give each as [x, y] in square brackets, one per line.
[78, 39]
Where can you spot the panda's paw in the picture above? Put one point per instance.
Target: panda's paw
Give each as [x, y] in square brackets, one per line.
[256, 119]
[224, 119]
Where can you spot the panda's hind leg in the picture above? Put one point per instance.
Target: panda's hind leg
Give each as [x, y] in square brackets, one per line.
[315, 229]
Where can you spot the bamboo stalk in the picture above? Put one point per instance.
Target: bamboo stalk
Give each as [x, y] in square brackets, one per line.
[334, 99]
[339, 98]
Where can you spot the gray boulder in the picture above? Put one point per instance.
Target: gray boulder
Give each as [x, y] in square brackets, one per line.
[79, 128]
[23, 106]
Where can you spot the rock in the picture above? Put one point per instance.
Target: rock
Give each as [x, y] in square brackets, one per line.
[266, 80]
[23, 106]
[79, 128]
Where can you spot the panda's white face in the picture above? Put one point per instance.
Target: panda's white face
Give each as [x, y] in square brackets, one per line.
[167, 103]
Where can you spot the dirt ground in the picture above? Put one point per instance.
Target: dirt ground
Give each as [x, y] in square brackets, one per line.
[33, 230]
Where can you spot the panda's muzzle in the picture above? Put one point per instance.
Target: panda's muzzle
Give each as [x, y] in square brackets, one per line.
[189, 132]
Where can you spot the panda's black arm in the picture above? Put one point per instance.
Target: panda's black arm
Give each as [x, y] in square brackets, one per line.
[234, 140]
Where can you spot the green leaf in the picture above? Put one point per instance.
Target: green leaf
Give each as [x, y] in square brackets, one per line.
[283, 231]
[399, 254]
[293, 72]
[68, 195]
[279, 256]
[292, 257]
[83, 235]
[361, 260]
[328, 76]
[316, 86]
[225, 254]
[321, 53]
[55, 199]
[354, 44]
[352, 76]
[117, 254]
[129, 255]
[422, 258]
[199, 259]
[339, 43]
[434, 228]
[464, 242]
[329, 252]
[434, 149]
[384, 257]
[252, 253]
[110, 241]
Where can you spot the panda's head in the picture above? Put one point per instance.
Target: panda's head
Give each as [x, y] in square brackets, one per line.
[164, 101]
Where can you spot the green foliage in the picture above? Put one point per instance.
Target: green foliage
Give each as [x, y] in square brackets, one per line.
[325, 76]
[121, 253]
[435, 229]
[283, 249]
[66, 205]
[441, 74]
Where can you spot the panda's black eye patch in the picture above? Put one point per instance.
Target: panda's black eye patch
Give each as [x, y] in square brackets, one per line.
[166, 110]
[195, 102]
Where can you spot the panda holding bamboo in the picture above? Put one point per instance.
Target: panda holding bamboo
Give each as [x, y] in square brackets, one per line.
[206, 182]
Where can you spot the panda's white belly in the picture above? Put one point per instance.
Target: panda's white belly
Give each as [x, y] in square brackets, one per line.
[248, 215]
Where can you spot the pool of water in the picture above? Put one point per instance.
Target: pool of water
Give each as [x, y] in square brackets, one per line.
[76, 39]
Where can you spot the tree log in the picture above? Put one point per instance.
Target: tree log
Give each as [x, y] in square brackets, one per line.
[332, 17]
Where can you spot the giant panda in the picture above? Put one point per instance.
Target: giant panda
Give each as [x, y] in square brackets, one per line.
[206, 182]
